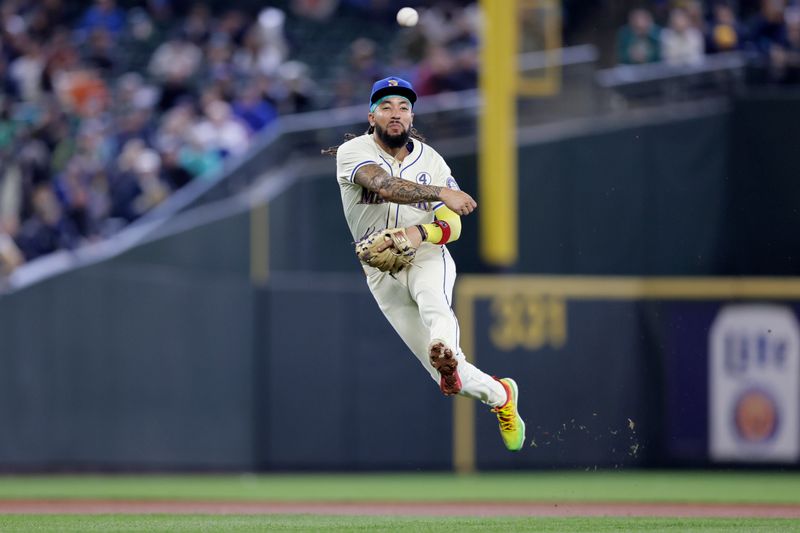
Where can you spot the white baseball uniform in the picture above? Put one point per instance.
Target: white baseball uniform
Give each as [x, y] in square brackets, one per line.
[417, 300]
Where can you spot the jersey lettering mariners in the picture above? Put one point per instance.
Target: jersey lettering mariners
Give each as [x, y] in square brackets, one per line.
[365, 210]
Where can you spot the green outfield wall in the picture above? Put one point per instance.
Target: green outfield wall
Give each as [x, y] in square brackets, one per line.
[127, 366]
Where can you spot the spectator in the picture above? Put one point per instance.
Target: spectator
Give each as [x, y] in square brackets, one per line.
[786, 59]
[100, 51]
[8, 87]
[161, 13]
[142, 29]
[33, 158]
[10, 255]
[793, 35]
[264, 48]
[137, 186]
[175, 127]
[446, 23]
[50, 127]
[134, 124]
[413, 43]
[257, 56]
[767, 29]
[221, 131]
[46, 230]
[724, 32]
[681, 43]
[27, 70]
[232, 27]
[43, 18]
[82, 91]
[153, 191]
[344, 93]
[197, 160]
[638, 42]
[319, 10]
[124, 188]
[466, 74]
[132, 93]
[442, 71]
[466, 28]
[177, 58]
[10, 198]
[298, 87]
[173, 174]
[253, 109]
[74, 198]
[174, 64]
[218, 64]
[62, 56]
[104, 14]
[364, 67]
[696, 13]
[197, 26]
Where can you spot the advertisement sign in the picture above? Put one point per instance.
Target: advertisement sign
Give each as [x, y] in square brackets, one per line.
[754, 384]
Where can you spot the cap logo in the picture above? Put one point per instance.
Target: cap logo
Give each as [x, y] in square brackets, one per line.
[393, 83]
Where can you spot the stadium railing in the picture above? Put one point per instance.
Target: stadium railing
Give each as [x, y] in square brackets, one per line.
[655, 83]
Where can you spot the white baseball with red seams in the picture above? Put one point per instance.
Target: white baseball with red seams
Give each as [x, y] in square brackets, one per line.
[416, 302]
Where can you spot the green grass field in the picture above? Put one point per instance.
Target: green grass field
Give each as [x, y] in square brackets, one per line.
[639, 486]
[668, 487]
[160, 523]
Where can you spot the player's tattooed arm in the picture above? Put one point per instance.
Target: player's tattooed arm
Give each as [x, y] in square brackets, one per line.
[394, 189]
[401, 191]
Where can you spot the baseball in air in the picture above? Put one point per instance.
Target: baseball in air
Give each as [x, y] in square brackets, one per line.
[407, 17]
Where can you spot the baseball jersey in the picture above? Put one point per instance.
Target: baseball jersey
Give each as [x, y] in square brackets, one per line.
[365, 210]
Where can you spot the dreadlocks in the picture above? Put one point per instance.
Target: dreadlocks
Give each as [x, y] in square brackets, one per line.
[414, 134]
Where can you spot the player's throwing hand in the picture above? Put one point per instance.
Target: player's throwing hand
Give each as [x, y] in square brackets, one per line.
[458, 201]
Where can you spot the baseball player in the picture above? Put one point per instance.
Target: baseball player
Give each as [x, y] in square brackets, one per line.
[402, 203]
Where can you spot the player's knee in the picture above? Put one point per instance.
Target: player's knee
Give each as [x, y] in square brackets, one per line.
[432, 299]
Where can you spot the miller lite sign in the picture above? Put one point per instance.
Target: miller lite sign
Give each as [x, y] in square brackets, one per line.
[754, 384]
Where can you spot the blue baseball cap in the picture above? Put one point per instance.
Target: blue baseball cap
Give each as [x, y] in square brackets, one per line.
[391, 86]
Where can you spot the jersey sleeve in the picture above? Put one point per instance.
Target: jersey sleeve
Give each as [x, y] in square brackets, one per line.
[349, 158]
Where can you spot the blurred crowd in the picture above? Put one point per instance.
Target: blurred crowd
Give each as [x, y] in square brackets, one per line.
[684, 32]
[105, 110]
[90, 142]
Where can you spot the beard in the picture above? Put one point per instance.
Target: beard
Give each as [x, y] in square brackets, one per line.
[392, 141]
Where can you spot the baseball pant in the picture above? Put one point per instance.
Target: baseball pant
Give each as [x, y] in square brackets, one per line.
[417, 304]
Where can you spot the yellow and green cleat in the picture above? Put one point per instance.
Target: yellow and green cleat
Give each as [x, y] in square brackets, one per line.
[512, 427]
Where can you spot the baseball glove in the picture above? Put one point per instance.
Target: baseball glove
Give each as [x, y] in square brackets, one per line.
[394, 258]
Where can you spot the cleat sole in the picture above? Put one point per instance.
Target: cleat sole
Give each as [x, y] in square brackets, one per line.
[445, 363]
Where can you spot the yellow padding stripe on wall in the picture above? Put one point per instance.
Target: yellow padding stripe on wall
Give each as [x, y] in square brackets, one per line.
[695, 288]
